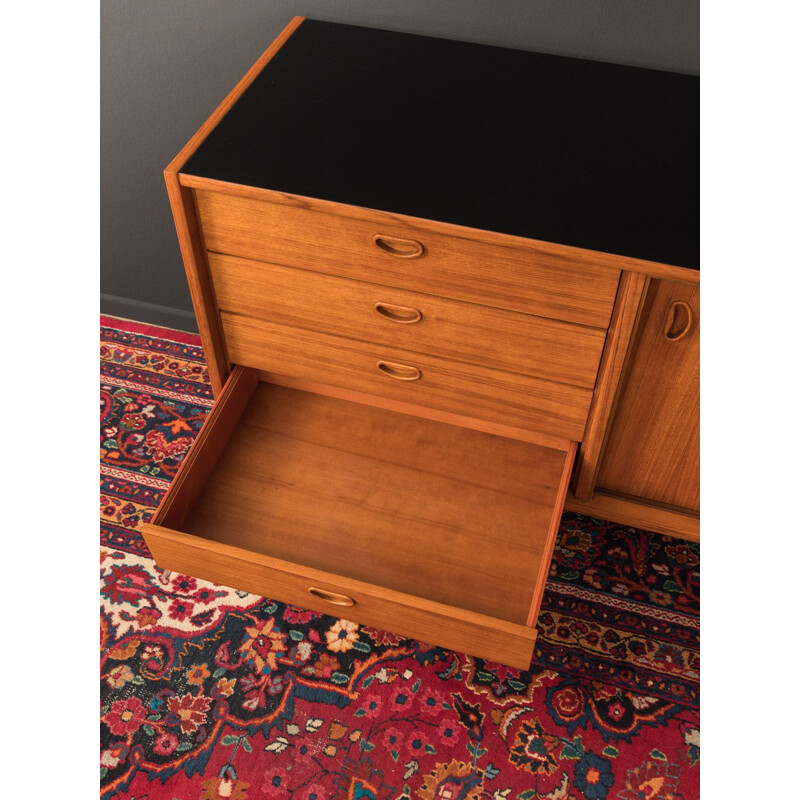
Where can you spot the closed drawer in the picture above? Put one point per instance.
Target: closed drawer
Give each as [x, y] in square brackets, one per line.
[543, 348]
[419, 379]
[429, 530]
[518, 278]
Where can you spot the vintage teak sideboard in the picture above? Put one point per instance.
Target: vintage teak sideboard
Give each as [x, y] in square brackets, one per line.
[443, 289]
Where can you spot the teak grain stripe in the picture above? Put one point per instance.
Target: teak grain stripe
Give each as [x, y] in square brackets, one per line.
[454, 628]
[425, 412]
[362, 492]
[682, 523]
[653, 446]
[201, 289]
[468, 389]
[567, 254]
[511, 341]
[550, 543]
[627, 310]
[527, 279]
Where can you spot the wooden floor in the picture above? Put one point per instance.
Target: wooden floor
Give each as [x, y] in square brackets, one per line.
[430, 509]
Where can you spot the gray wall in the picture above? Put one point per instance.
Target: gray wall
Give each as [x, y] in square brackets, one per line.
[166, 65]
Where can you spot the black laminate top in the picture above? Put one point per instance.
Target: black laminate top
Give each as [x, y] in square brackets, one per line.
[576, 152]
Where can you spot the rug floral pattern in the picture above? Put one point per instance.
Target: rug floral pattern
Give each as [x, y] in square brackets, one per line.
[208, 692]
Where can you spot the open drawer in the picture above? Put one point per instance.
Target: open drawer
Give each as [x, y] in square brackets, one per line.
[426, 529]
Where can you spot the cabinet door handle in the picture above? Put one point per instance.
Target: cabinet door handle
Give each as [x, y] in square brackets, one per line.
[331, 597]
[679, 320]
[401, 372]
[402, 314]
[397, 246]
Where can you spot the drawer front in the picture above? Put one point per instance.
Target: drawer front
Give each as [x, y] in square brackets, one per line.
[456, 629]
[425, 380]
[543, 348]
[519, 278]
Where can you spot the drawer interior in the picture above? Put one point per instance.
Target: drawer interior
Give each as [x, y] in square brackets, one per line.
[432, 510]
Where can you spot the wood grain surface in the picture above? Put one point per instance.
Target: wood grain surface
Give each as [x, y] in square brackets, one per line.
[518, 279]
[448, 626]
[199, 462]
[433, 510]
[478, 334]
[201, 289]
[536, 248]
[425, 412]
[653, 447]
[625, 510]
[454, 386]
[630, 295]
[552, 535]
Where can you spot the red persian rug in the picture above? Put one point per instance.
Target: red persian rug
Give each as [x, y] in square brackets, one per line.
[208, 692]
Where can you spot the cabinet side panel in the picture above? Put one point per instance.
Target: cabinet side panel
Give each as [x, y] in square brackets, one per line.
[201, 288]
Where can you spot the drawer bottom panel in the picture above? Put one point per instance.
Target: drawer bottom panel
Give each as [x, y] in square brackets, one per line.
[419, 527]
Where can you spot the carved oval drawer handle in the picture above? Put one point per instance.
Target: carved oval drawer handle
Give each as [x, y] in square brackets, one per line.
[679, 320]
[396, 246]
[402, 314]
[401, 372]
[331, 597]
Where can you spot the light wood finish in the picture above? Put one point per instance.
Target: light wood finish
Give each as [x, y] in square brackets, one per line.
[518, 279]
[201, 289]
[206, 449]
[404, 315]
[461, 420]
[469, 389]
[552, 533]
[537, 248]
[395, 246]
[632, 287]
[682, 523]
[407, 615]
[680, 319]
[433, 510]
[653, 447]
[406, 456]
[506, 340]
[361, 504]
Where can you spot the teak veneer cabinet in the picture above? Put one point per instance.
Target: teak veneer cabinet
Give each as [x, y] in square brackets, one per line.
[426, 275]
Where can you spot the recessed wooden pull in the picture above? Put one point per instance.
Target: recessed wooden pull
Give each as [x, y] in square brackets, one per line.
[396, 246]
[402, 372]
[331, 597]
[679, 320]
[402, 314]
